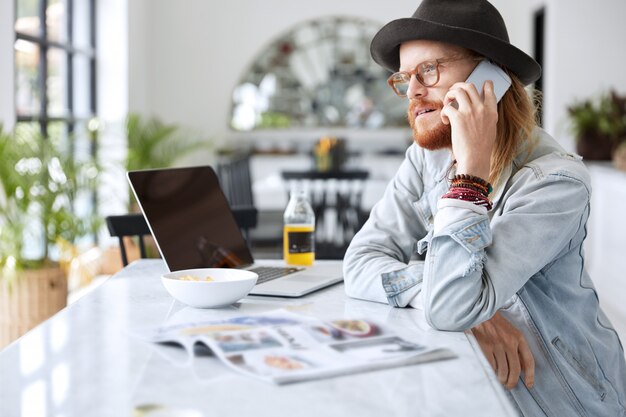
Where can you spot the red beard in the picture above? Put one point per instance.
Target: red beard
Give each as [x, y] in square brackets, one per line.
[438, 138]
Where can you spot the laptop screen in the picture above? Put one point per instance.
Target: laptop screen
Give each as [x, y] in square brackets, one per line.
[190, 218]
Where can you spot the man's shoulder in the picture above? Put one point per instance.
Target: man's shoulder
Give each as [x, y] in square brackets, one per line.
[546, 158]
[428, 162]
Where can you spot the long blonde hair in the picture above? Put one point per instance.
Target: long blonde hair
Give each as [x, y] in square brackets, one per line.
[517, 118]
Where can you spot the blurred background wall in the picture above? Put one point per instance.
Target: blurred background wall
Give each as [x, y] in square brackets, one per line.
[186, 57]
[181, 60]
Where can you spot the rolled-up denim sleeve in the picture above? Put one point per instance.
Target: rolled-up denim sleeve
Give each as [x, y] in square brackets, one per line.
[475, 264]
[403, 286]
[376, 264]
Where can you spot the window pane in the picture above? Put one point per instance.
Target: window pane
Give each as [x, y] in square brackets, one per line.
[58, 132]
[26, 128]
[56, 20]
[81, 37]
[81, 86]
[82, 139]
[76, 147]
[57, 82]
[27, 21]
[27, 95]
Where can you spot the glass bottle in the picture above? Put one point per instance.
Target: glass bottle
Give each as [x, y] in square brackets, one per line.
[299, 229]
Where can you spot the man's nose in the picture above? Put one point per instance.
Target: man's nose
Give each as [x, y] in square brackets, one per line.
[416, 89]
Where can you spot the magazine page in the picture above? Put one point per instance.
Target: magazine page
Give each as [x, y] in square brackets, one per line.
[284, 347]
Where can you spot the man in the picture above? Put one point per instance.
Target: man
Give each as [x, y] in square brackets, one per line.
[499, 209]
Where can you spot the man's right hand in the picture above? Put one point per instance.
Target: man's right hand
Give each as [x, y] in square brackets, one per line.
[506, 350]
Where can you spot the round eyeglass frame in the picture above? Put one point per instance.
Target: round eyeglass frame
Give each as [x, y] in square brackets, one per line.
[420, 79]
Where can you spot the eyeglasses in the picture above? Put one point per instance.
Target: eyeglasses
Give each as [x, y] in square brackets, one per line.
[427, 73]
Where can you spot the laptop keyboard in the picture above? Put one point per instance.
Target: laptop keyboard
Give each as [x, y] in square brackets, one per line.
[268, 273]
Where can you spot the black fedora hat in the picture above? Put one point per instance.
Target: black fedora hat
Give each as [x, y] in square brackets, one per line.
[472, 24]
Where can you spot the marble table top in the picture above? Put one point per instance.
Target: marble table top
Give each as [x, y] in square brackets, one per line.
[85, 361]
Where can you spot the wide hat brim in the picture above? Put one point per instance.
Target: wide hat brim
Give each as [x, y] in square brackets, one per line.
[385, 47]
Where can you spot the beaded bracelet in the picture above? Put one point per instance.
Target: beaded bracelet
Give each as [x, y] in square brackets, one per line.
[470, 187]
[466, 194]
[471, 179]
[462, 183]
[472, 184]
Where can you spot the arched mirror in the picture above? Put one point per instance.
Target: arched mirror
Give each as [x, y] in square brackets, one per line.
[319, 74]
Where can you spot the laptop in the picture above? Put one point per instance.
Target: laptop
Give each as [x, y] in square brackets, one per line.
[194, 227]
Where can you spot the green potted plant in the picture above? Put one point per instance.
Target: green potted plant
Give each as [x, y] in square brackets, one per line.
[39, 185]
[153, 143]
[599, 125]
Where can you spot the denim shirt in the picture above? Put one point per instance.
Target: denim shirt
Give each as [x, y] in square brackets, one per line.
[523, 258]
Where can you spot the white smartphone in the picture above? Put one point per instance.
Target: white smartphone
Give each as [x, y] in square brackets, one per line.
[487, 70]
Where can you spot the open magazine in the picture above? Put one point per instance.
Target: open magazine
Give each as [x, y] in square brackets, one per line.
[284, 347]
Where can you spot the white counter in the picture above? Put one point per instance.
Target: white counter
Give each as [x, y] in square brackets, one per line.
[83, 362]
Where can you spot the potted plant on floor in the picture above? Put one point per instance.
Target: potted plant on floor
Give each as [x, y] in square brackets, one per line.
[599, 125]
[39, 186]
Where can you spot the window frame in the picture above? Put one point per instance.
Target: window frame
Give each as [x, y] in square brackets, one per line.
[44, 44]
[69, 117]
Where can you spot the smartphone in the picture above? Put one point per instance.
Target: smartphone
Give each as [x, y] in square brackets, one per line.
[487, 70]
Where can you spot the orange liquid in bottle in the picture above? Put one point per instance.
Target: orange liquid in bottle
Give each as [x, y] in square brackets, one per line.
[298, 244]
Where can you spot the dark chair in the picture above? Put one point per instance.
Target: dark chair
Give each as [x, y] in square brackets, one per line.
[336, 198]
[129, 225]
[234, 174]
[134, 225]
[246, 218]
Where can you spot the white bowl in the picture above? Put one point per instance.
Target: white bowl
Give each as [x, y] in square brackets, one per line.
[228, 285]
